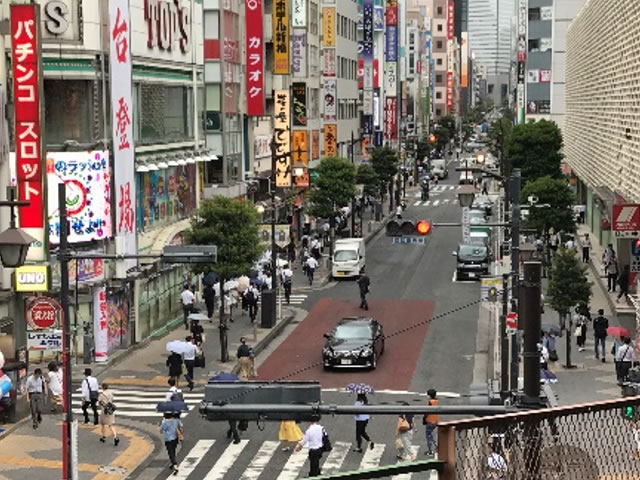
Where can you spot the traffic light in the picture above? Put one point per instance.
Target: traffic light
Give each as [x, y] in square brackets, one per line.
[400, 228]
[493, 294]
[432, 138]
[423, 227]
[629, 412]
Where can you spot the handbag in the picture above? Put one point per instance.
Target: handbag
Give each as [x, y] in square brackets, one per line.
[578, 331]
[403, 425]
[180, 433]
[93, 394]
[326, 442]
[110, 408]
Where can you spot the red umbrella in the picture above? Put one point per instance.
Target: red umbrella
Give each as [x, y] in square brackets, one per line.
[618, 332]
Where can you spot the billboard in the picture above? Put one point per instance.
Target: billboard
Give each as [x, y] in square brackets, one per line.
[391, 49]
[315, 144]
[100, 324]
[254, 57]
[329, 62]
[450, 20]
[88, 186]
[330, 99]
[300, 146]
[299, 52]
[298, 13]
[329, 26]
[330, 139]
[281, 37]
[464, 58]
[390, 118]
[299, 104]
[282, 138]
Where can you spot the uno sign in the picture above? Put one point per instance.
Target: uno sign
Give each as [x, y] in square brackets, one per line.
[42, 313]
[168, 23]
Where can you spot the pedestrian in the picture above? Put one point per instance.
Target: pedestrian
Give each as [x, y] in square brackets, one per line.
[174, 394]
[188, 300]
[287, 280]
[326, 232]
[586, 248]
[314, 438]
[600, 325]
[90, 393]
[399, 212]
[625, 356]
[174, 362]
[311, 265]
[607, 255]
[544, 356]
[197, 332]
[362, 419]
[582, 321]
[484, 188]
[571, 244]
[430, 422]
[209, 294]
[612, 274]
[623, 281]
[315, 248]
[496, 464]
[172, 429]
[233, 431]
[36, 391]
[251, 296]
[189, 358]
[289, 433]
[291, 252]
[549, 342]
[108, 417]
[54, 383]
[363, 286]
[244, 356]
[405, 427]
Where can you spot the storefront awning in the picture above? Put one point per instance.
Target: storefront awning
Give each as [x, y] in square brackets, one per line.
[154, 241]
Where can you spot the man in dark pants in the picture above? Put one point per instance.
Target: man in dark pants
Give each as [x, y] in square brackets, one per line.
[363, 285]
[209, 300]
[90, 393]
[189, 358]
[313, 439]
[600, 325]
[36, 390]
[233, 431]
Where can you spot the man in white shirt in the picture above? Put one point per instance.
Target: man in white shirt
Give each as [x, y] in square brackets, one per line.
[315, 248]
[311, 265]
[36, 390]
[54, 379]
[313, 439]
[188, 299]
[571, 244]
[287, 280]
[90, 393]
[625, 356]
[173, 392]
[189, 357]
[496, 464]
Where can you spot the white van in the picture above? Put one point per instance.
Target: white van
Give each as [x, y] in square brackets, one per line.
[348, 258]
[439, 168]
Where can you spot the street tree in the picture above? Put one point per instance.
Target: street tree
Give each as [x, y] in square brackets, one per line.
[558, 195]
[232, 226]
[568, 288]
[384, 161]
[499, 130]
[367, 177]
[536, 149]
[445, 131]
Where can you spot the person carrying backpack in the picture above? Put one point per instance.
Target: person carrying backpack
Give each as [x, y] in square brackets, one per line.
[317, 439]
[251, 297]
[174, 394]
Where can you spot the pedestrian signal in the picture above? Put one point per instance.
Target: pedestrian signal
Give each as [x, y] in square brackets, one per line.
[493, 294]
[629, 412]
[432, 138]
[399, 228]
[423, 227]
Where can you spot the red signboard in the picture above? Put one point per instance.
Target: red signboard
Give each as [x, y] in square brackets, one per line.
[626, 218]
[450, 20]
[25, 64]
[255, 57]
[42, 313]
[391, 15]
[376, 73]
[390, 118]
[512, 321]
[449, 89]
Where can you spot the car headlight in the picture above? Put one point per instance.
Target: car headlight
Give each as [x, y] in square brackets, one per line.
[460, 265]
[328, 352]
[366, 351]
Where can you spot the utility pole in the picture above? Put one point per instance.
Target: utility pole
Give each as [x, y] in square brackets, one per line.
[353, 198]
[530, 290]
[504, 340]
[515, 270]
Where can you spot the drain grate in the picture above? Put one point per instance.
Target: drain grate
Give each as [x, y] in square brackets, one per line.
[113, 470]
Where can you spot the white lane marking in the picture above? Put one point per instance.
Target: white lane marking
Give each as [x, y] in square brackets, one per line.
[371, 457]
[133, 414]
[398, 392]
[143, 393]
[226, 460]
[451, 187]
[415, 449]
[192, 459]
[417, 203]
[426, 203]
[259, 462]
[436, 202]
[445, 201]
[294, 465]
[137, 406]
[336, 457]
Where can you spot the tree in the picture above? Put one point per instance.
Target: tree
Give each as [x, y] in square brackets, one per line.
[367, 177]
[335, 187]
[558, 195]
[384, 161]
[498, 132]
[568, 287]
[445, 131]
[232, 226]
[536, 149]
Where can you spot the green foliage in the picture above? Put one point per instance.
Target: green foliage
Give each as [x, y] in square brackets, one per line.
[367, 176]
[535, 148]
[498, 132]
[422, 149]
[568, 286]
[384, 161]
[232, 226]
[556, 193]
[445, 131]
[335, 186]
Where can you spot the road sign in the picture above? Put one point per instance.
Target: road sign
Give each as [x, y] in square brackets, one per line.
[42, 313]
[408, 240]
[627, 234]
[466, 229]
[185, 254]
[512, 322]
[626, 218]
[50, 340]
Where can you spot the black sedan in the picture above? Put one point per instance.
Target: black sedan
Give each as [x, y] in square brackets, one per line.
[354, 342]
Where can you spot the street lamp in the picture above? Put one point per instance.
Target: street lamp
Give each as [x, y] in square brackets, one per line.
[14, 243]
[526, 251]
[466, 194]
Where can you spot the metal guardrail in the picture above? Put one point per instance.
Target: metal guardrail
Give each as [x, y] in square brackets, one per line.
[593, 441]
[386, 470]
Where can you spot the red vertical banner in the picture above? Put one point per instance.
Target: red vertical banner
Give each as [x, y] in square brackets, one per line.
[376, 73]
[390, 118]
[254, 57]
[450, 20]
[449, 90]
[25, 65]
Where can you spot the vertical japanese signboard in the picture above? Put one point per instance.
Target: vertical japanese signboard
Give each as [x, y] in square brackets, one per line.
[27, 82]
[254, 57]
[464, 58]
[449, 90]
[367, 67]
[391, 71]
[300, 147]
[390, 118]
[299, 104]
[299, 13]
[315, 144]
[450, 20]
[330, 139]
[281, 37]
[330, 100]
[121, 121]
[329, 26]
[282, 138]
[329, 62]
[299, 52]
[100, 324]
[522, 57]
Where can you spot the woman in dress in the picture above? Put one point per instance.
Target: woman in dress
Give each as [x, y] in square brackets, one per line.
[289, 433]
[107, 417]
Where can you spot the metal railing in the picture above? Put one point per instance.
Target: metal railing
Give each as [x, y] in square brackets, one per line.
[583, 442]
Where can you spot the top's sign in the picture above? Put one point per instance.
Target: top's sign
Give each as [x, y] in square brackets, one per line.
[168, 25]
[626, 218]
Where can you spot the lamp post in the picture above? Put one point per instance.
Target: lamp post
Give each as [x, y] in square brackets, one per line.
[353, 198]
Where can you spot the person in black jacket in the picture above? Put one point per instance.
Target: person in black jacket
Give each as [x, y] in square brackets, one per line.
[363, 285]
[174, 362]
[623, 281]
[209, 300]
[600, 325]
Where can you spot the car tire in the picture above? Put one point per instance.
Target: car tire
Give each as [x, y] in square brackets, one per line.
[326, 367]
[374, 361]
[382, 348]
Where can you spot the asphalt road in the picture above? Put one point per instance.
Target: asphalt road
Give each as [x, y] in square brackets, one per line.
[412, 292]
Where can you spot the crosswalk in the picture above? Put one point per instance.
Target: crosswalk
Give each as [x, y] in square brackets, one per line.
[139, 403]
[436, 189]
[435, 203]
[290, 466]
[296, 299]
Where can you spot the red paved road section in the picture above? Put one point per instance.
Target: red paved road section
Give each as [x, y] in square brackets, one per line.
[395, 368]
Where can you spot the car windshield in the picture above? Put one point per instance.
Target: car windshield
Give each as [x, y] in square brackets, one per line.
[351, 331]
[477, 217]
[345, 256]
[472, 251]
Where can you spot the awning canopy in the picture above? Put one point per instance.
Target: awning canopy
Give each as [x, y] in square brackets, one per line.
[154, 241]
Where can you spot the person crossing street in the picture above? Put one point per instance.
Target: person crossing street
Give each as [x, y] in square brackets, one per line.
[287, 278]
[251, 297]
[189, 357]
[90, 394]
[363, 285]
[311, 265]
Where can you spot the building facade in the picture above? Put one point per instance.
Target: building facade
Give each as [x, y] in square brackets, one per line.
[539, 48]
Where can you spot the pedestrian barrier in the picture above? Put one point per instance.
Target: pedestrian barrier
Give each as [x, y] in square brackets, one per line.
[586, 442]
[386, 470]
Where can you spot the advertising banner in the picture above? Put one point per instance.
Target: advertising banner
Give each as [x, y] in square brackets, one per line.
[254, 57]
[545, 76]
[378, 19]
[299, 104]
[390, 118]
[329, 26]
[100, 324]
[538, 106]
[330, 139]
[262, 146]
[376, 110]
[299, 13]
[44, 340]
[86, 175]
[367, 21]
[330, 99]
[32, 278]
[329, 62]
[450, 20]
[122, 124]
[391, 16]
[281, 37]
[391, 50]
[390, 79]
[283, 237]
[299, 52]
[367, 102]
[464, 58]
[315, 144]
[367, 125]
[118, 315]
[282, 134]
[300, 146]
[449, 90]
[376, 73]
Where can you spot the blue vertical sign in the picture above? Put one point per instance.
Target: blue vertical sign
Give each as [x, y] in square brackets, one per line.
[391, 44]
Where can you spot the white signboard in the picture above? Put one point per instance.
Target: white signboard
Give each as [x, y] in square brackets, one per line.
[298, 13]
[466, 229]
[44, 340]
[533, 76]
[122, 125]
[100, 323]
[391, 79]
[330, 99]
[329, 62]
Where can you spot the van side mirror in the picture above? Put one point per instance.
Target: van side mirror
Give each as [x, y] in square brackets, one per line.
[326, 335]
[455, 254]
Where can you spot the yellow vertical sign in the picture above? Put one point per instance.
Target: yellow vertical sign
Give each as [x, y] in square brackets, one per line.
[281, 37]
[329, 26]
[330, 139]
[300, 147]
[282, 138]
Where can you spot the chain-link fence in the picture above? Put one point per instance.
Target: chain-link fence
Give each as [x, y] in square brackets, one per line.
[595, 441]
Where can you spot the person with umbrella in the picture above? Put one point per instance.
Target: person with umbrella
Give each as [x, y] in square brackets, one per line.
[209, 294]
[197, 331]
[171, 428]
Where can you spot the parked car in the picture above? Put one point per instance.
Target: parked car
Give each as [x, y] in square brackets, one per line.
[354, 342]
[472, 261]
[439, 168]
[483, 202]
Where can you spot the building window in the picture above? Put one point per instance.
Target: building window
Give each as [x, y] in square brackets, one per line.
[439, 11]
[412, 39]
[490, 88]
[412, 63]
[534, 45]
[313, 18]
[68, 111]
[338, 17]
[438, 61]
[439, 44]
[438, 78]
[165, 113]
[439, 27]
[438, 112]
[534, 14]
[313, 61]
[438, 95]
